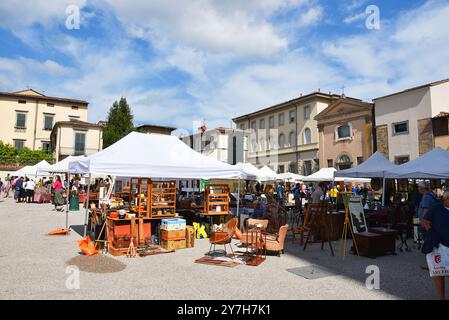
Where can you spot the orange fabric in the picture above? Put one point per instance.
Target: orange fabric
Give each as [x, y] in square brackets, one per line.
[58, 232]
[87, 247]
[238, 233]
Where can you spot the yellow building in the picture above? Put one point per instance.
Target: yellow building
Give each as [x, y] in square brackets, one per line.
[27, 117]
[285, 136]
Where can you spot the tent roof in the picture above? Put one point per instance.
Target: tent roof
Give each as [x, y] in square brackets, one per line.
[249, 170]
[63, 165]
[153, 156]
[432, 165]
[267, 174]
[290, 176]
[327, 174]
[39, 169]
[374, 167]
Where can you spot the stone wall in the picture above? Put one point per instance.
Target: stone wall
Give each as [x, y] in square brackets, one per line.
[425, 136]
[382, 139]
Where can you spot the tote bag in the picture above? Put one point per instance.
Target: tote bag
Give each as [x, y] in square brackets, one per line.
[438, 261]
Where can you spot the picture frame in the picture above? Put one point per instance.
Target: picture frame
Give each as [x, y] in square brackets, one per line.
[358, 221]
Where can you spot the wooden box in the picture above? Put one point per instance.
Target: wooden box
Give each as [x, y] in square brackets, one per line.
[173, 244]
[373, 244]
[388, 241]
[173, 234]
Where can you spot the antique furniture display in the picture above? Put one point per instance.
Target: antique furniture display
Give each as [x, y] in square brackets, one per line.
[120, 233]
[276, 243]
[256, 249]
[318, 225]
[388, 242]
[216, 199]
[139, 196]
[163, 199]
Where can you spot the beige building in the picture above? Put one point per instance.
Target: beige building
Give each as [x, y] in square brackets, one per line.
[404, 120]
[224, 144]
[74, 138]
[151, 128]
[345, 133]
[27, 117]
[285, 136]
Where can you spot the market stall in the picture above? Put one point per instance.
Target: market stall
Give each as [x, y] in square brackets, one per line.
[155, 158]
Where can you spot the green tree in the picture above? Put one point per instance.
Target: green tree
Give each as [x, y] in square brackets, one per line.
[119, 122]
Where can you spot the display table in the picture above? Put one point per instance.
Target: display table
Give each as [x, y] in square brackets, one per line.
[42, 197]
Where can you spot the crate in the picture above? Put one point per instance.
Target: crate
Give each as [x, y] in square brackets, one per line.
[173, 235]
[173, 224]
[173, 244]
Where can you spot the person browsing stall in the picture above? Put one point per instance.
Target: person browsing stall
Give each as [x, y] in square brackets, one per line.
[436, 221]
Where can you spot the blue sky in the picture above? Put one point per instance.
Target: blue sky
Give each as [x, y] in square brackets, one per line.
[179, 61]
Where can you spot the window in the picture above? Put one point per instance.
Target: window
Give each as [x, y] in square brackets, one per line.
[281, 119]
[440, 127]
[292, 116]
[401, 159]
[271, 122]
[48, 122]
[281, 140]
[307, 136]
[281, 168]
[330, 163]
[400, 127]
[292, 139]
[74, 107]
[344, 131]
[80, 143]
[272, 142]
[253, 125]
[307, 167]
[307, 113]
[19, 144]
[262, 124]
[72, 118]
[22, 101]
[21, 118]
[292, 167]
[242, 126]
[50, 104]
[253, 145]
[359, 160]
[234, 150]
[46, 146]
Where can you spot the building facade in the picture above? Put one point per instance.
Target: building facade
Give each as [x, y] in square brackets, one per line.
[285, 136]
[345, 131]
[224, 144]
[150, 128]
[404, 120]
[28, 117]
[74, 138]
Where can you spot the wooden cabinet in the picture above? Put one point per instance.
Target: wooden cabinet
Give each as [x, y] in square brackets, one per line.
[151, 199]
[120, 233]
[216, 199]
[163, 199]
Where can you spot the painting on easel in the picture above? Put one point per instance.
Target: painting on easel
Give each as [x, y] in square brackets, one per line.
[357, 215]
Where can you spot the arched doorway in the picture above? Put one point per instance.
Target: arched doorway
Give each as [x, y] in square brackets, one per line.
[344, 162]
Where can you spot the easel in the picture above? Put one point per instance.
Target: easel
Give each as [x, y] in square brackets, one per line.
[317, 213]
[347, 225]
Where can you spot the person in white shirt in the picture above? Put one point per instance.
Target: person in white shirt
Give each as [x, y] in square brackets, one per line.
[29, 190]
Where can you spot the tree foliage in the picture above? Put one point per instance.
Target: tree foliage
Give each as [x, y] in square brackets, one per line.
[119, 122]
[10, 154]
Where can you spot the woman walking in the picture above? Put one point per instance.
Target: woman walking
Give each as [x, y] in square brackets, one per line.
[58, 199]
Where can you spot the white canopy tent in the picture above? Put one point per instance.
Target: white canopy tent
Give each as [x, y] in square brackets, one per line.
[374, 167]
[249, 170]
[153, 155]
[432, 165]
[288, 176]
[39, 169]
[267, 174]
[327, 174]
[63, 165]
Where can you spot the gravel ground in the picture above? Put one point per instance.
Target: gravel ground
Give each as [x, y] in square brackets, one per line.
[33, 266]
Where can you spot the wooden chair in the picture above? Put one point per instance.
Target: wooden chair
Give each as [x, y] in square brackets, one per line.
[318, 225]
[223, 236]
[303, 230]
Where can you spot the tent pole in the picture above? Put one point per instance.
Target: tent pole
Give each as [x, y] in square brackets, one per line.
[238, 197]
[67, 204]
[383, 193]
[86, 218]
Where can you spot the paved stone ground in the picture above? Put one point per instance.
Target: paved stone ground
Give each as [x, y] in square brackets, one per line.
[33, 266]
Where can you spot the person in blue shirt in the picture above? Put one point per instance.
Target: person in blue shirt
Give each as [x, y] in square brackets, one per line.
[428, 200]
[436, 220]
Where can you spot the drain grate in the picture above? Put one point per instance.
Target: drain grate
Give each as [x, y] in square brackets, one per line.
[312, 272]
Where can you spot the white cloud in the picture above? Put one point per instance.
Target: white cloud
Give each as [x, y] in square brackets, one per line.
[311, 16]
[356, 17]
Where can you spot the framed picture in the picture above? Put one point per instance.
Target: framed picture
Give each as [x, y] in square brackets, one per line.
[357, 214]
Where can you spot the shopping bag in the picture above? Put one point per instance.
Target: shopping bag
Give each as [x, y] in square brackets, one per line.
[438, 261]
